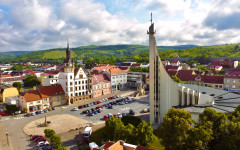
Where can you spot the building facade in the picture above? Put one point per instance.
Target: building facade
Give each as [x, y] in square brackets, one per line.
[118, 78]
[101, 85]
[74, 81]
[7, 91]
[232, 81]
[133, 79]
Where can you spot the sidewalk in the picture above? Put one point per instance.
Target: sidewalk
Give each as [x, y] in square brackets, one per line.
[3, 138]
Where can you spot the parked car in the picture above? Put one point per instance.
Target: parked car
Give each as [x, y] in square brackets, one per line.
[95, 112]
[80, 107]
[45, 110]
[40, 139]
[109, 115]
[105, 117]
[91, 114]
[53, 108]
[144, 111]
[74, 109]
[117, 96]
[148, 109]
[110, 106]
[27, 115]
[95, 103]
[35, 136]
[41, 111]
[93, 109]
[115, 116]
[119, 115]
[3, 114]
[43, 143]
[91, 104]
[124, 114]
[37, 112]
[98, 107]
[33, 113]
[131, 112]
[85, 111]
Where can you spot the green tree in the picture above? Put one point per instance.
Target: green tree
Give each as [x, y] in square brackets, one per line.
[31, 81]
[236, 48]
[25, 109]
[135, 121]
[235, 116]
[176, 79]
[144, 134]
[174, 130]
[49, 133]
[18, 85]
[10, 109]
[114, 128]
[17, 68]
[219, 124]
[28, 67]
[56, 142]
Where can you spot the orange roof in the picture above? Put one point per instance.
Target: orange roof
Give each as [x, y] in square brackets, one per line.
[104, 67]
[32, 96]
[51, 90]
[117, 146]
[115, 71]
[107, 145]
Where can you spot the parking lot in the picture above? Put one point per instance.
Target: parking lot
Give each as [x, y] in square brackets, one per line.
[137, 106]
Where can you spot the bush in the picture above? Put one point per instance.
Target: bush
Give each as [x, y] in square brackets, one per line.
[49, 133]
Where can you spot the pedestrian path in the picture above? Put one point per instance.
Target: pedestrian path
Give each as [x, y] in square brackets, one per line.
[16, 118]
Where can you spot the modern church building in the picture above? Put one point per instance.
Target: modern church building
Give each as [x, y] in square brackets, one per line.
[165, 93]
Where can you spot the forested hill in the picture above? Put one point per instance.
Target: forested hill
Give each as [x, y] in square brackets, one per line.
[82, 52]
[112, 53]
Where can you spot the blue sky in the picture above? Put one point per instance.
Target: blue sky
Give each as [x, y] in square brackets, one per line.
[43, 24]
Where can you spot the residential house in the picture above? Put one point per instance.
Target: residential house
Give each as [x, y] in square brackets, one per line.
[46, 67]
[165, 63]
[173, 68]
[7, 91]
[49, 77]
[101, 85]
[9, 81]
[232, 80]
[52, 95]
[5, 66]
[225, 63]
[31, 100]
[175, 63]
[126, 69]
[118, 78]
[136, 65]
[127, 64]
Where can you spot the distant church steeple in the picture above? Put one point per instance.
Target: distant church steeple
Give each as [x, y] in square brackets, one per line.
[68, 53]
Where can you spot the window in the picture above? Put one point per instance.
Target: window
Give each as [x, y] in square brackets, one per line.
[82, 87]
[81, 76]
[233, 86]
[76, 94]
[234, 81]
[82, 82]
[98, 92]
[45, 99]
[57, 98]
[70, 77]
[62, 97]
[76, 88]
[66, 84]
[71, 83]
[227, 80]
[94, 93]
[86, 81]
[71, 89]
[50, 98]
[82, 93]
[227, 86]
[75, 82]
[30, 103]
[79, 82]
[71, 95]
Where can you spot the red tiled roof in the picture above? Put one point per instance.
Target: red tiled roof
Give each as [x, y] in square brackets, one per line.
[212, 79]
[232, 74]
[51, 72]
[186, 75]
[115, 71]
[136, 64]
[142, 148]
[224, 63]
[107, 145]
[12, 79]
[174, 61]
[124, 68]
[51, 90]
[171, 67]
[172, 73]
[32, 96]
[104, 67]
[76, 71]
[100, 78]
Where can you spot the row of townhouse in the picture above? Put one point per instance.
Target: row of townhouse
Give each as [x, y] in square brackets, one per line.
[42, 97]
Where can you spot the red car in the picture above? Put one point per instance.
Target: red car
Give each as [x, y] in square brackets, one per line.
[35, 136]
[105, 117]
[3, 114]
[115, 116]
[98, 102]
[110, 98]
[40, 139]
[98, 107]
[81, 106]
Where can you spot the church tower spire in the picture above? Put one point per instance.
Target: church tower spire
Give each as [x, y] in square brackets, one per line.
[68, 53]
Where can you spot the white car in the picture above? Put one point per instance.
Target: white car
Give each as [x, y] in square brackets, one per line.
[74, 109]
[33, 113]
[119, 115]
[42, 143]
[41, 111]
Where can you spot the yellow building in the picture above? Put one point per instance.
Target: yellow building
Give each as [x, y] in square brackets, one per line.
[6, 91]
[30, 100]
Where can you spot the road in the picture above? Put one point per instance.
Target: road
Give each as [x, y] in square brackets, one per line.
[20, 141]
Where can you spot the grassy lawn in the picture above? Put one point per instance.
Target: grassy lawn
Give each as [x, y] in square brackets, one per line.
[156, 145]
